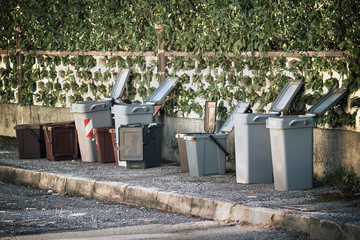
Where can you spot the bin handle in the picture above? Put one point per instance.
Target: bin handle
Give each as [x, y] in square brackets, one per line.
[47, 136]
[218, 144]
[103, 105]
[292, 122]
[135, 109]
[32, 133]
[256, 118]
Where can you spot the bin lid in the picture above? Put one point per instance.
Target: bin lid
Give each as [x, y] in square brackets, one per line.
[163, 90]
[327, 101]
[120, 83]
[210, 116]
[228, 125]
[286, 96]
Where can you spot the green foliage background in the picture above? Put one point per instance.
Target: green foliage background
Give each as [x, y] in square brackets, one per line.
[190, 26]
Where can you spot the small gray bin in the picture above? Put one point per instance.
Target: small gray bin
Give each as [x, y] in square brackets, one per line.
[292, 144]
[206, 152]
[252, 139]
[206, 157]
[140, 145]
[96, 114]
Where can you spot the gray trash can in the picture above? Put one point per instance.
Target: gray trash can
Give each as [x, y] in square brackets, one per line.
[96, 114]
[140, 145]
[292, 144]
[252, 139]
[141, 113]
[206, 152]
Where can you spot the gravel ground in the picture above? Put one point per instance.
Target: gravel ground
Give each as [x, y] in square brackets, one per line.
[325, 202]
[25, 211]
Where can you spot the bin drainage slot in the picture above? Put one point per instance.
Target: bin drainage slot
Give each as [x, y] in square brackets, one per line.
[292, 122]
[219, 145]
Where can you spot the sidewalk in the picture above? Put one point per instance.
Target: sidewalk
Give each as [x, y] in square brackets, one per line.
[322, 212]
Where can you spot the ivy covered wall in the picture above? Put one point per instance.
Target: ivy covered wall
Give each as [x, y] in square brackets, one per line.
[228, 29]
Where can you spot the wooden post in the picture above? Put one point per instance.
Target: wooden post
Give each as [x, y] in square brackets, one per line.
[19, 63]
[161, 52]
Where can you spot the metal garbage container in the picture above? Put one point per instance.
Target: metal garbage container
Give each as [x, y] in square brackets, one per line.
[60, 141]
[30, 139]
[140, 145]
[96, 114]
[292, 144]
[252, 139]
[141, 113]
[206, 152]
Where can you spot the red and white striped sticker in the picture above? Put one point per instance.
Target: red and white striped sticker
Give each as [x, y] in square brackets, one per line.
[88, 127]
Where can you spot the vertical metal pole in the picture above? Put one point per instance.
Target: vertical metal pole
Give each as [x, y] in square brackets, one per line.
[19, 63]
[161, 52]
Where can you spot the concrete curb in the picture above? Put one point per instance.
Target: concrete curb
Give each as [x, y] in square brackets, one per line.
[174, 202]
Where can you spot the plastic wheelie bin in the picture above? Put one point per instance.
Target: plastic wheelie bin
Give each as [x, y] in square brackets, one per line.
[292, 144]
[206, 152]
[252, 139]
[141, 113]
[96, 114]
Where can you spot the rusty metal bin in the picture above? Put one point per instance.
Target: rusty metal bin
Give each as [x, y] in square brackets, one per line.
[61, 141]
[30, 138]
[104, 145]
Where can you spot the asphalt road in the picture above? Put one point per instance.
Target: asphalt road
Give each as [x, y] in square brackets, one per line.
[25, 212]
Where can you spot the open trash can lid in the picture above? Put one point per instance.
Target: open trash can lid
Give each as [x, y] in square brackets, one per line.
[120, 83]
[163, 90]
[106, 103]
[327, 101]
[286, 96]
[228, 125]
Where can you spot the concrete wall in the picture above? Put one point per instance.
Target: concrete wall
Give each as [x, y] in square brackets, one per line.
[331, 147]
[15, 114]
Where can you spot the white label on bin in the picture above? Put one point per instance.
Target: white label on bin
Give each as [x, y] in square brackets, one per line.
[88, 127]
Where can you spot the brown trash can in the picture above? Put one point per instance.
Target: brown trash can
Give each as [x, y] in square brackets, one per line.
[61, 141]
[104, 145]
[30, 138]
[184, 166]
[114, 145]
